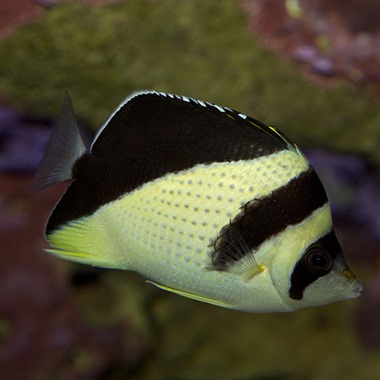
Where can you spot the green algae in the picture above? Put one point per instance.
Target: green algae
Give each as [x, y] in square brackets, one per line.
[202, 49]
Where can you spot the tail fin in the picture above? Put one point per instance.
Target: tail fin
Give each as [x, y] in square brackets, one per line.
[64, 148]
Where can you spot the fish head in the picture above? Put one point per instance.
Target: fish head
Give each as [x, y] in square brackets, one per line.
[308, 267]
[332, 280]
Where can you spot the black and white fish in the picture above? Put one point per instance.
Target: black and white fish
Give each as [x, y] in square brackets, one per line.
[200, 199]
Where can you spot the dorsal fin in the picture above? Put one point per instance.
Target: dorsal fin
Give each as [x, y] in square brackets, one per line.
[153, 134]
[64, 148]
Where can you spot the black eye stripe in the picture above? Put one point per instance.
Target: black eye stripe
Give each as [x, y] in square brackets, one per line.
[303, 275]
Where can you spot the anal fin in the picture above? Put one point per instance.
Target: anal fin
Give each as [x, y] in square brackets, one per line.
[193, 296]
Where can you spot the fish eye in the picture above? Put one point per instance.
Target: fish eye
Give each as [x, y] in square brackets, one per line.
[318, 260]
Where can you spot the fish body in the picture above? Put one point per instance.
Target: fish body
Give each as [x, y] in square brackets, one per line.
[201, 200]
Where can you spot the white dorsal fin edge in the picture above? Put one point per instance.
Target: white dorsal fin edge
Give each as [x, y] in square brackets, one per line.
[64, 148]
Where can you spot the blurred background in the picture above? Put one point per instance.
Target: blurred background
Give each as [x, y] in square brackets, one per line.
[309, 67]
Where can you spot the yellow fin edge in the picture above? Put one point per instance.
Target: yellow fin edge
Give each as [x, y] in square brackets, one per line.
[81, 257]
[193, 296]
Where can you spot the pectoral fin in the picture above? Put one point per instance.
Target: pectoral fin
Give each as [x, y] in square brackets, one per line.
[193, 296]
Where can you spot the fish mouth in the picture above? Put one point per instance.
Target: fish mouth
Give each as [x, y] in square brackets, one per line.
[347, 273]
[357, 291]
[356, 286]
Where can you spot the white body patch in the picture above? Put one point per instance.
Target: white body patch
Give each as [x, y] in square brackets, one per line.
[165, 229]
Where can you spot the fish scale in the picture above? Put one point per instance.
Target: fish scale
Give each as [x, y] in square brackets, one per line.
[202, 200]
[145, 211]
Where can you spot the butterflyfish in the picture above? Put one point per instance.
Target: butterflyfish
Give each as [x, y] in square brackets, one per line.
[201, 200]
